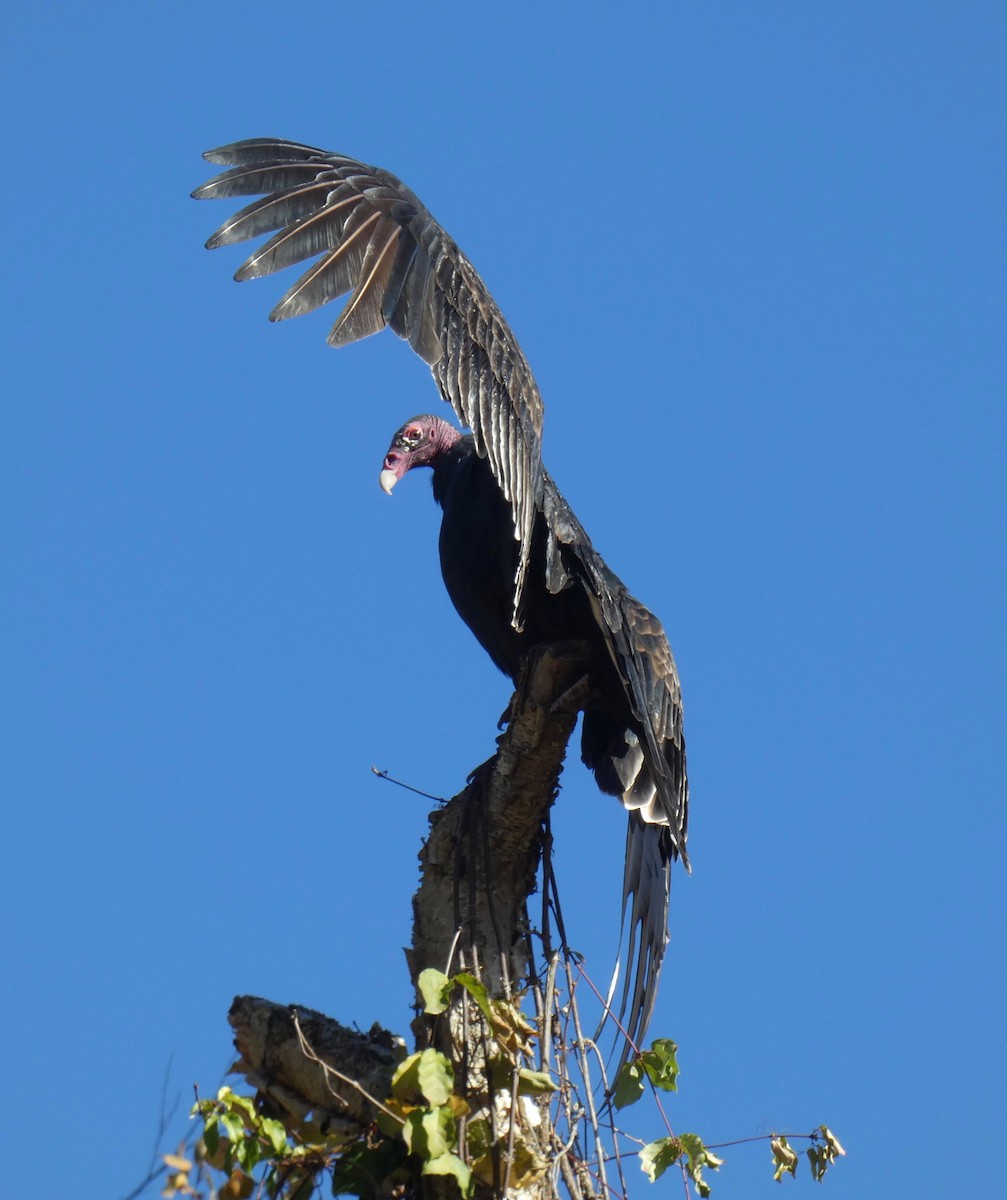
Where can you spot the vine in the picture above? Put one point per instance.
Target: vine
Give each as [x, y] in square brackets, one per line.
[488, 1138]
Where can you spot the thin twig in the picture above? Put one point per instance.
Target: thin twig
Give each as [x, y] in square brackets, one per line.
[155, 1171]
[451, 952]
[309, 1053]
[548, 1002]
[510, 1131]
[586, 1075]
[609, 1013]
[409, 788]
[762, 1137]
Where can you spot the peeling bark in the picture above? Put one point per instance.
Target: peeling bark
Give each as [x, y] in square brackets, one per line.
[478, 868]
[307, 1062]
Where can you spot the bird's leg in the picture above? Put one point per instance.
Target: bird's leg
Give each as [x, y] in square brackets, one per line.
[528, 664]
[575, 699]
[577, 696]
[572, 699]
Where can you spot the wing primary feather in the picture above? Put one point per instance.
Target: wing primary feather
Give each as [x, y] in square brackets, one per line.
[430, 294]
[307, 237]
[364, 315]
[272, 178]
[329, 277]
[269, 213]
[252, 150]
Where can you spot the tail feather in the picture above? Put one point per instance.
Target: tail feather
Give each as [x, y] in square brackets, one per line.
[646, 896]
[617, 759]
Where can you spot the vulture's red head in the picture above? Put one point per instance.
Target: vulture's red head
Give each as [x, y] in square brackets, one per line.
[417, 444]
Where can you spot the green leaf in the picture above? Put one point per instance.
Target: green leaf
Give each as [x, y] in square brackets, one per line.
[428, 1074]
[478, 1138]
[534, 1082]
[222, 1159]
[478, 993]
[211, 1136]
[657, 1157]
[405, 1085]
[235, 1103]
[358, 1170]
[247, 1153]
[243, 1104]
[628, 1084]
[435, 1076]
[661, 1064]
[234, 1125]
[275, 1134]
[430, 1132]
[435, 988]
[451, 1164]
[697, 1157]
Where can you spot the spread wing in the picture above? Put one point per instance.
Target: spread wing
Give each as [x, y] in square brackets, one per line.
[642, 760]
[371, 237]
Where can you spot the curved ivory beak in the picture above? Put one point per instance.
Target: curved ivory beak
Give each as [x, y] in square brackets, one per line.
[387, 480]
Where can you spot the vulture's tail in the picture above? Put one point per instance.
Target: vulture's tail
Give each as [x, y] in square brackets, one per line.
[617, 760]
[646, 893]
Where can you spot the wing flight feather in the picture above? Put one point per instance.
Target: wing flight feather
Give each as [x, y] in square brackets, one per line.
[371, 236]
[652, 771]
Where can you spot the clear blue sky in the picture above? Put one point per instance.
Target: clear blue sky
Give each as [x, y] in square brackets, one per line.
[756, 257]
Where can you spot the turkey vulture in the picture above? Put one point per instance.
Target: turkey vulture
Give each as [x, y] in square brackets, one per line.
[516, 562]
